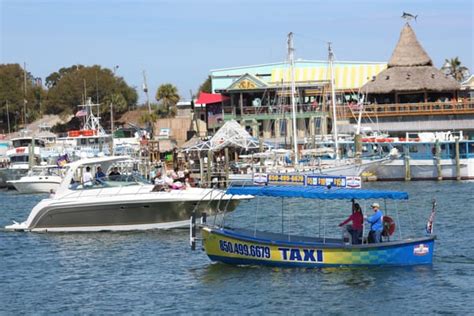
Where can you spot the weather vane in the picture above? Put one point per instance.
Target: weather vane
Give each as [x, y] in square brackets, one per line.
[408, 16]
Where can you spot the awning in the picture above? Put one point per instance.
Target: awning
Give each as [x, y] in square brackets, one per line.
[322, 193]
[209, 98]
[346, 76]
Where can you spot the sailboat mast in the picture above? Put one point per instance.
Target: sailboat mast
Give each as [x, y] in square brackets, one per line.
[333, 102]
[291, 58]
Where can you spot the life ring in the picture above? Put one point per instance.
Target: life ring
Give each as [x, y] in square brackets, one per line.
[388, 226]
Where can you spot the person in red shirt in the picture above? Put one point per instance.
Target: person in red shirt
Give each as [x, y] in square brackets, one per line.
[357, 226]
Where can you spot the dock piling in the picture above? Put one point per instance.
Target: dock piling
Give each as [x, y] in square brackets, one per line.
[407, 163]
[458, 164]
[438, 160]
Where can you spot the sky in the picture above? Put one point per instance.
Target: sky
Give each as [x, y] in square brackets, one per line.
[180, 41]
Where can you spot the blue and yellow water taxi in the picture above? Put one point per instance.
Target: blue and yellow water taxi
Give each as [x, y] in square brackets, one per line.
[255, 247]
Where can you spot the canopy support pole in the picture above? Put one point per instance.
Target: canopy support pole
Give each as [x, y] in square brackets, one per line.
[282, 230]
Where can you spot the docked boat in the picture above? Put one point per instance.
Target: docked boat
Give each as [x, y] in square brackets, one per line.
[251, 246]
[89, 141]
[117, 203]
[24, 153]
[41, 179]
[425, 156]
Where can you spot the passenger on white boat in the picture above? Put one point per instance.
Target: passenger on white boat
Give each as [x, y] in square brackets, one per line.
[114, 174]
[87, 177]
[99, 175]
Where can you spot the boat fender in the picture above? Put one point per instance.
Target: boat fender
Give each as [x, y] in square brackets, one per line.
[388, 226]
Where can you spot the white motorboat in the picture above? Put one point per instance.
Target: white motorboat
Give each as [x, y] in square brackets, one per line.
[118, 203]
[41, 179]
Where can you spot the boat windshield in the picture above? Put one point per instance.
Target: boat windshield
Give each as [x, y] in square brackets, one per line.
[110, 181]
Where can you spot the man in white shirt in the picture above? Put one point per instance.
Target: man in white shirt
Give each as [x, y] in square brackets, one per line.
[87, 177]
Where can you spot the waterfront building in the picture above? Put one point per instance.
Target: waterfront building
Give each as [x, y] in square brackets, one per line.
[411, 95]
[259, 96]
[407, 94]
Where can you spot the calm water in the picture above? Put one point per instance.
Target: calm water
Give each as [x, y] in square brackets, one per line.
[156, 272]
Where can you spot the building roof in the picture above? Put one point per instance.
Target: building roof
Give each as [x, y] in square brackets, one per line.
[409, 51]
[411, 79]
[410, 69]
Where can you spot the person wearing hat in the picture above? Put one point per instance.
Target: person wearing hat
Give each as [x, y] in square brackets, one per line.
[376, 225]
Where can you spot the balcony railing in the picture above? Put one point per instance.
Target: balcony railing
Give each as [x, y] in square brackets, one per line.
[409, 109]
[277, 110]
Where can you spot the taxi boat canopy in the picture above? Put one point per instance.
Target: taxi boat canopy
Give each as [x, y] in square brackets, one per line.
[314, 192]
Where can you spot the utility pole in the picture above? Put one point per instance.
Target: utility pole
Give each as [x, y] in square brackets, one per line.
[8, 118]
[112, 106]
[145, 89]
[194, 113]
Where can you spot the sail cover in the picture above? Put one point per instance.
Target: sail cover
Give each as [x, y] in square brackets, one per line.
[322, 193]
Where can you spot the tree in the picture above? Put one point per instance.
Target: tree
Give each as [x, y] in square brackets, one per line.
[167, 96]
[71, 86]
[12, 91]
[454, 68]
[206, 86]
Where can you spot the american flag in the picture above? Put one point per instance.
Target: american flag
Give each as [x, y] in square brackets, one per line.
[81, 113]
[62, 160]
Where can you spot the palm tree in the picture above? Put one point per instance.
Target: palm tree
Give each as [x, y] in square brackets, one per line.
[454, 68]
[168, 96]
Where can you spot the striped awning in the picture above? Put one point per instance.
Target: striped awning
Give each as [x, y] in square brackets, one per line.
[347, 77]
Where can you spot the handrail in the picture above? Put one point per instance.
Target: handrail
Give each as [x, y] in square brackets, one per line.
[407, 109]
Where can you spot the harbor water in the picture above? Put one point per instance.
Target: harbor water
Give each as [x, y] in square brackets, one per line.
[155, 272]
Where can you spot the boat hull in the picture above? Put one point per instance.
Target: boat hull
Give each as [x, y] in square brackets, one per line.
[26, 187]
[11, 174]
[232, 247]
[424, 169]
[115, 216]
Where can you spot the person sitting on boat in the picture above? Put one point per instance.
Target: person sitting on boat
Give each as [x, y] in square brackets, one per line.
[376, 225]
[357, 226]
[87, 177]
[160, 183]
[114, 174]
[99, 175]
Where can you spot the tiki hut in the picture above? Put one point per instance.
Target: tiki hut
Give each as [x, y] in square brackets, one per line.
[410, 76]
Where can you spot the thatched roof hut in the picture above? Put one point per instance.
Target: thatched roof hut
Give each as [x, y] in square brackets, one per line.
[410, 69]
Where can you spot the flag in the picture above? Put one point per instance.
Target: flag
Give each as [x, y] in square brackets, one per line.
[62, 160]
[81, 113]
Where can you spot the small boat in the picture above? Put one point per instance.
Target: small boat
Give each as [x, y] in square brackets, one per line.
[256, 247]
[122, 202]
[41, 179]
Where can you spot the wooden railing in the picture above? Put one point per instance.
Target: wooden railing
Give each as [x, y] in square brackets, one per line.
[410, 109]
[345, 111]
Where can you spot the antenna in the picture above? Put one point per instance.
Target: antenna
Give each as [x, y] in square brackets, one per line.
[24, 95]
